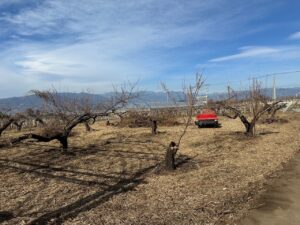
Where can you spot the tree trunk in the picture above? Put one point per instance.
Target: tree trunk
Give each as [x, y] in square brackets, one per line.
[154, 126]
[251, 129]
[61, 137]
[170, 156]
[19, 125]
[87, 126]
[64, 142]
[6, 125]
[39, 121]
[272, 117]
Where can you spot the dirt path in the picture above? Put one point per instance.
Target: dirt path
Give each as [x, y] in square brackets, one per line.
[281, 202]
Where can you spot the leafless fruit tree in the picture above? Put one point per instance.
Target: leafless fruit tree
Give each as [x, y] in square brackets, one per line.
[71, 112]
[5, 124]
[61, 136]
[191, 93]
[19, 124]
[36, 115]
[7, 119]
[257, 104]
[272, 112]
[153, 126]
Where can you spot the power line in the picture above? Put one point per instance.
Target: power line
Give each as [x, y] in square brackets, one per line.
[288, 86]
[275, 74]
[255, 77]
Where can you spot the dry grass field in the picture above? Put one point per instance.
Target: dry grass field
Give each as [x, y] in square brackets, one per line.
[111, 177]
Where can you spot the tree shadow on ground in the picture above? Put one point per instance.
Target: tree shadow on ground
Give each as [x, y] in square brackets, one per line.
[46, 171]
[268, 132]
[116, 184]
[186, 163]
[5, 215]
[37, 153]
[50, 163]
[59, 215]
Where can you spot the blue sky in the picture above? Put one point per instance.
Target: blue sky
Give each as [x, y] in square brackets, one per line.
[77, 45]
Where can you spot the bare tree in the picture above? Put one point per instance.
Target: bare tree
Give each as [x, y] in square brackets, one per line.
[191, 93]
[121, 97]
[36, 115]
[7, 119]
[121, 115]
[6, 123]
[87, 126]
[153, 126]
[272, 112]
[70, 112]
[19, 124]
[257, 104]
[61, 136]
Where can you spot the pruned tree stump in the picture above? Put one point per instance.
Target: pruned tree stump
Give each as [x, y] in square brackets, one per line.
[170, 156]
[153, 126]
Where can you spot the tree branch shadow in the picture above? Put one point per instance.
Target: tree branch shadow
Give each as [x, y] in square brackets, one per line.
[48, 174]
[59, 215]
[47, 162]
[5, 215]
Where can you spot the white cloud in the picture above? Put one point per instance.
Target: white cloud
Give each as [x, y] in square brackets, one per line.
[112, 37]
[196, 19]
[248, 51]
[295, 36]
[96, 42]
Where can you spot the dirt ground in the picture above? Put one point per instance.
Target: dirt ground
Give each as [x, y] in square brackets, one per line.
[112, 176]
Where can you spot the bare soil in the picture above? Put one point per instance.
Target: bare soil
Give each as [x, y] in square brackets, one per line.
[111, 175]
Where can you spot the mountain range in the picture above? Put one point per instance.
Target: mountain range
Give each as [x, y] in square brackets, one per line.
[146, 98]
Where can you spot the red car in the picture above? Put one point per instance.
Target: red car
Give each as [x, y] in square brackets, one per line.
[207, 117]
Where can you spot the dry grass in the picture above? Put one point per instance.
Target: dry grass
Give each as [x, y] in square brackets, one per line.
[136, 119]
[111, 177]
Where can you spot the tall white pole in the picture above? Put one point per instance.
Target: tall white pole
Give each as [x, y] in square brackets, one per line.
[274, 89]
[206, 94]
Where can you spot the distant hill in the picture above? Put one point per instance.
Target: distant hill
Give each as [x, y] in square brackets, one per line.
[19, 104]
[146, 98]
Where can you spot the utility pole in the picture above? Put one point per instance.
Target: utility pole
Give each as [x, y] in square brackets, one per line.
[167, 98]
[206, 94]
[274, 89]
[228, 91]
